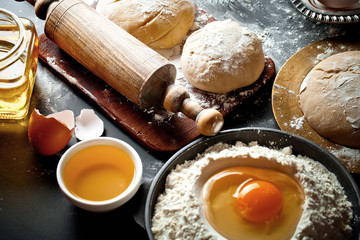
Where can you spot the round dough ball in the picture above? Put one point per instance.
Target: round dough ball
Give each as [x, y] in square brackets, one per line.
[330, 98]
[159, 24]
[222, 56]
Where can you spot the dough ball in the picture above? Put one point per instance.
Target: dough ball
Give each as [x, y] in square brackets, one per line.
[222, 56]
[159, 24]
[330, 98]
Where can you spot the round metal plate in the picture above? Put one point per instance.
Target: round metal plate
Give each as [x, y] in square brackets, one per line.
[318, 12]
[265, 137]
[285, 99]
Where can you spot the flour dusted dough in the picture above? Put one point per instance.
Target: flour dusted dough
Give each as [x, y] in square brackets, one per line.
[222, 56]
[159, 24]
[330, 98]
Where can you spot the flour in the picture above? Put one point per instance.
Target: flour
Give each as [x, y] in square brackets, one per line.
[349, 156]
[327, 52]
[326, 214]
[297, 123]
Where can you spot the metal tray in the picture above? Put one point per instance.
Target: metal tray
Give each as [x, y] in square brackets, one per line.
[318, 12]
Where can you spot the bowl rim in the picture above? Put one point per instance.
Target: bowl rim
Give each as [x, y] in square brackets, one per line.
[205, 142]
[122, 197]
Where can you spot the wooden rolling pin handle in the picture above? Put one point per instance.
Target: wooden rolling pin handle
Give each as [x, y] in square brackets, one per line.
[41, 8]
[208, 121]
[174, 97]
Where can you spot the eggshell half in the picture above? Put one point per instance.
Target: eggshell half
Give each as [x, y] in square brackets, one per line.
[50, 134]
[88, 125]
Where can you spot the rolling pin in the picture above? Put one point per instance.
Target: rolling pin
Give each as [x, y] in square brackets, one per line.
[126, 64]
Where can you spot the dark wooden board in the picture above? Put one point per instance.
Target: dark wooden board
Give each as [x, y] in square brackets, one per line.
[155, 128]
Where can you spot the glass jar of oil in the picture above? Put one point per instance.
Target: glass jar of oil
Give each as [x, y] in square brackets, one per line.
[18, 64]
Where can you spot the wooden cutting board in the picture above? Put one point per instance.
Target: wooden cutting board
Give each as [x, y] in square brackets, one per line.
[155, 128]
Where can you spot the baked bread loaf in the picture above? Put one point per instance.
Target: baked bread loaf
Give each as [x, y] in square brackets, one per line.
[159, 24]
[222, 57]
[330, 98]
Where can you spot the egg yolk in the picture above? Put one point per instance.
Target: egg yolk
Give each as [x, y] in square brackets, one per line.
[258, 200]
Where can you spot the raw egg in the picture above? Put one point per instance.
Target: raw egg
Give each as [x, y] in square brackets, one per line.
[50, 134]
[258, 200]
[252, 203]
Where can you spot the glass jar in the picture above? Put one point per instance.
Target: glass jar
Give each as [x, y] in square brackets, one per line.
[18, 64]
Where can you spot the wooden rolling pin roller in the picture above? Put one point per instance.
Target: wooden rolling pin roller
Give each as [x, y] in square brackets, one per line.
[129, 66]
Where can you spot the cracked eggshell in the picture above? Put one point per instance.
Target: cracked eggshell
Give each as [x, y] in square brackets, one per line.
[88, 125]
[50, 134]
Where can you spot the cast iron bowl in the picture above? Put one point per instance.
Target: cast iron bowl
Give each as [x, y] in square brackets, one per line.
[265, 137]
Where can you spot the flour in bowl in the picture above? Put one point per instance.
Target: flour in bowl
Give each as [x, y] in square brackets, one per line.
[178, 213]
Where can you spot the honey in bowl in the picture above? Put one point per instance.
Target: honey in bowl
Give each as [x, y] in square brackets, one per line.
[99, 172]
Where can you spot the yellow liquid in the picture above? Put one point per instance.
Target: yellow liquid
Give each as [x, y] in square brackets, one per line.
[220, 205]
[99, 173]
[17, 79]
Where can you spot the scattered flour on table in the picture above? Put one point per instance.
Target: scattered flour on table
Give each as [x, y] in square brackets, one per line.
[350, 157]
[283, 30]
[297, 123]
[327, 213]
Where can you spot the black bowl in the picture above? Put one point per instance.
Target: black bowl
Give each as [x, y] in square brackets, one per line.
[266, 137]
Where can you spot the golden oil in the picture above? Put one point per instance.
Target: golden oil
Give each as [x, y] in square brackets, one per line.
[18, 64]
[99, 173]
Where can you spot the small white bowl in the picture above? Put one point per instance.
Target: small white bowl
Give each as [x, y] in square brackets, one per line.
[113, 203]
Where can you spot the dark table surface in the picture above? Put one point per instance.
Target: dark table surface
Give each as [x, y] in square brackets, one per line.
[31, 204]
